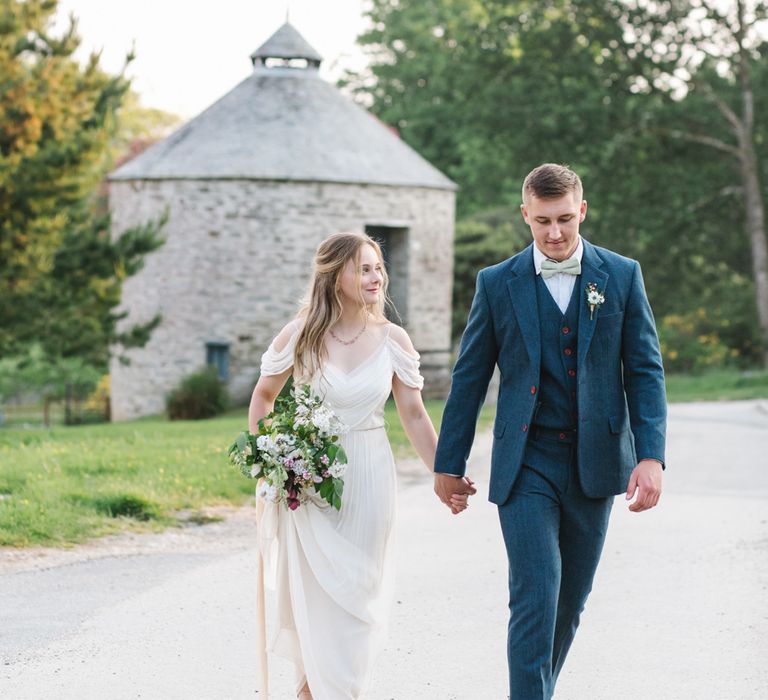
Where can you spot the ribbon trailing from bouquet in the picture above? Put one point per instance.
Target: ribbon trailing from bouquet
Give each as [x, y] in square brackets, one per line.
[266, 529]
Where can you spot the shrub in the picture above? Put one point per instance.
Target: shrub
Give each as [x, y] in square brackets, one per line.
[691, 343]
[200, 395]
[120, 505]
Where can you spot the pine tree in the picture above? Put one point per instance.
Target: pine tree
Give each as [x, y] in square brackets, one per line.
[60, 273]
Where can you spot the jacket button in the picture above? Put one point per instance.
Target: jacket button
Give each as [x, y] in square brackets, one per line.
[566, 330]
[571, 372]
[533, 389]
[561, 436]
[568, 352]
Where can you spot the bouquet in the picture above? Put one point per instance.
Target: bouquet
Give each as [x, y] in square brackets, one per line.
[295, 449]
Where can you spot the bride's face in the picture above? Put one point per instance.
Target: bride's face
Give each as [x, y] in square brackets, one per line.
[361, 279]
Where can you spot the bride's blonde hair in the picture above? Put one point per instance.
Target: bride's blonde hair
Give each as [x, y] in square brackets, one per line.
[322, 306]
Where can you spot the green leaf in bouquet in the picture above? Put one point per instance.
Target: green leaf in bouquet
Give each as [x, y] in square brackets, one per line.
[325, 489]
[338, 490]
[258, 475]
[341, 455]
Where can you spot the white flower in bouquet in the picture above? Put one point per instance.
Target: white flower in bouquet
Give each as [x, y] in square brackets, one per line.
[337, 469]
[322, 421]
[268, 492]
[299, 465]
[266, 444]
[327, 423]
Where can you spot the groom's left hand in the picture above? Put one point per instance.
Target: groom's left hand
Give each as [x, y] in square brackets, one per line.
[645, 481]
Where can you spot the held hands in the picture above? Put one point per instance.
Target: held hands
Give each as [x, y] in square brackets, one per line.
[645, 481]
[454, 491]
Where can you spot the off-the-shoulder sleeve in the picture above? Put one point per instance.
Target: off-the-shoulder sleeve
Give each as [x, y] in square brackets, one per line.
[275, 361]
[405, 364]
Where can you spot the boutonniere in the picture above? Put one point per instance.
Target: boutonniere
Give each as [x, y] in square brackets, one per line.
[595, 298]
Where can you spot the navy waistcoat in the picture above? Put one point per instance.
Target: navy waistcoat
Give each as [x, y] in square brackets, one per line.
[555, 417]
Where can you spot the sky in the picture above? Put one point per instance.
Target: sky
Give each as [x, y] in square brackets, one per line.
[190, 53]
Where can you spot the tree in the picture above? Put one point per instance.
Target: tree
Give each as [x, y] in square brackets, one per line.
[138, 127]
[60, 273]
[493, 235]
[488, 90]
[707, 56]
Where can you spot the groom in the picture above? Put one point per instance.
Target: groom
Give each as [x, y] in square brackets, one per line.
[581, 416]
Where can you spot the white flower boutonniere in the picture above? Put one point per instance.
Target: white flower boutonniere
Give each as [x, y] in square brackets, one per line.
[595, 298]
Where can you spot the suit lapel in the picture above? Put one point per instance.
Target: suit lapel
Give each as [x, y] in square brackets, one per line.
[591, 271]
[522, 291]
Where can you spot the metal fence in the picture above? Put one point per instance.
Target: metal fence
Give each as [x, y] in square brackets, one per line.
[73, 409]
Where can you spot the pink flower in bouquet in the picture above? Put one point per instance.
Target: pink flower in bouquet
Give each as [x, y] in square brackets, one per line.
[293, 503]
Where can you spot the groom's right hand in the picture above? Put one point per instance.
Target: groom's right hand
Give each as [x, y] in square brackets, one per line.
[447, 486]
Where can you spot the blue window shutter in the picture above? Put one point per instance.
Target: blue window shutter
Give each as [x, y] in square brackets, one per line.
[217, 355]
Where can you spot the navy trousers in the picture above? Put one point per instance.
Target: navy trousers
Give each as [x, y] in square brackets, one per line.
[554, 536]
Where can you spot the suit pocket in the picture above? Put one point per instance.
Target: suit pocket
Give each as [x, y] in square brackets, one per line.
[618, 424]
[612, 316]
[498, 429]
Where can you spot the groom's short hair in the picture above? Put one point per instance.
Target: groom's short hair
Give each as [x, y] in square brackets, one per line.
[550, 181]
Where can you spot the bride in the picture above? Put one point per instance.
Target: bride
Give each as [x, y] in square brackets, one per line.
[332, 569]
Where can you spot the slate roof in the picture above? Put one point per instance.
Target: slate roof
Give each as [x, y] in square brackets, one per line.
[284, 123]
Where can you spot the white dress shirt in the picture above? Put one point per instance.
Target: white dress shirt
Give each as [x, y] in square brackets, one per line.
[560, 285]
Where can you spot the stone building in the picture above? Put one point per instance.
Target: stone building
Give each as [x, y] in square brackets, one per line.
[251, 186]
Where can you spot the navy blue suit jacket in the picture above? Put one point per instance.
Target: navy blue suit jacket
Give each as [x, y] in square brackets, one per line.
[620, 378]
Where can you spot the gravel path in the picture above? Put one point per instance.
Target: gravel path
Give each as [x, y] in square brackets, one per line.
[679, 610]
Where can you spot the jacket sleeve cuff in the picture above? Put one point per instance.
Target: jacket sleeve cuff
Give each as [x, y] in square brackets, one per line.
[655, 459]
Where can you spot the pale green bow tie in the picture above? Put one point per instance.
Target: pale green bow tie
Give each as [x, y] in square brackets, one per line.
[549, 268]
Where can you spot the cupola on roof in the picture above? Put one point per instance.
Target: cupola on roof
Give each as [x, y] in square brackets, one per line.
[286, 43]
[285, 122]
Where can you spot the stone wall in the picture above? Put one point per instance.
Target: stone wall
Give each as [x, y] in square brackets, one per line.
[237, 259]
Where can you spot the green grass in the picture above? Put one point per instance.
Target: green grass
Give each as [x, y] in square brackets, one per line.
[721, 385]
[69, 484]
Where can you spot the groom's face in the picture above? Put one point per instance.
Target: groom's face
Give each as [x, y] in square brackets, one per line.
[555, 223]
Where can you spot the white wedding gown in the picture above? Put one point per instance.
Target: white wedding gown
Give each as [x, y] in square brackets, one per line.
[332, 570]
